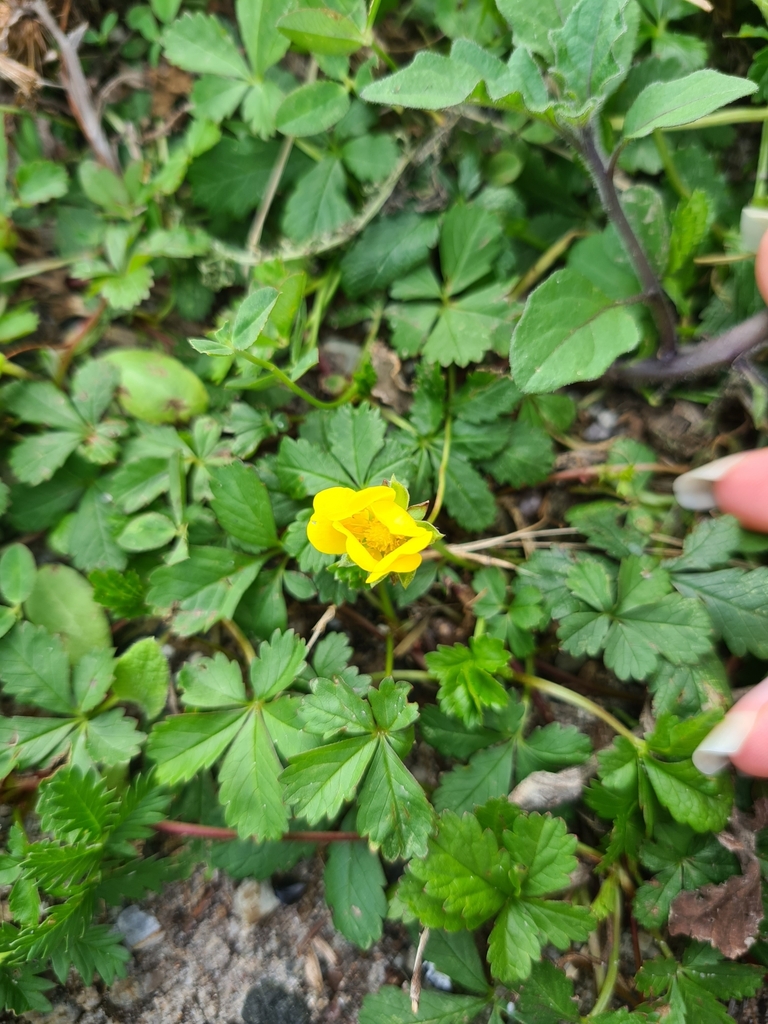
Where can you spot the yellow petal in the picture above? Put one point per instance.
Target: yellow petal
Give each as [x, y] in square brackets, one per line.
[336, 503]
[403, 564]
[357, 552]
[405, 551]
[396, 519]
[325, 538]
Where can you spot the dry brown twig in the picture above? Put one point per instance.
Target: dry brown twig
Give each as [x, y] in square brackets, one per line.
[77, 88]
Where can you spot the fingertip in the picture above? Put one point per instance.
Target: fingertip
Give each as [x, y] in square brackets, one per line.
[761, 267]
[743, 490]
[752, 757]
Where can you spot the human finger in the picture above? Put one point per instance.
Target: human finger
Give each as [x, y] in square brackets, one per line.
[741, 738]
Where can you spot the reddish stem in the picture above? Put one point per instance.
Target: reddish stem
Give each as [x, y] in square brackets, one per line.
[187, 828]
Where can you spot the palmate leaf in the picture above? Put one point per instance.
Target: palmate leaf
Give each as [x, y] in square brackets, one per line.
[249, 778]
[241, 504]
[393, 810]
[320, 781]
[181, 745]
[467, 683]
[34, 668]
[467, 878]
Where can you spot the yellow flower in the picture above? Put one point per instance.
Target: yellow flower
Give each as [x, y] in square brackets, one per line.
[371, 528]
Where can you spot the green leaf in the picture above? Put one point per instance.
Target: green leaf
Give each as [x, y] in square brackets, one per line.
[335, 708]
[250, 787]
[385, 251]
[142, 676]
[701, 801]
[710, 545]
[216, 98]
[319, 781]
[470, 241]
[121, 593]
[252, 316]
[206, 587]
[312, 108]
[212, 683]
[354, 889]
[200, 43]
[393, 810]
[487, 776]
[731, 598]
[157, 388]
[279, 661]
[321, 30]
[570, 331]
[527, 458]
[669, 104]
[430, 82]
[304, 469]
[467, 496]
[450, 736]
[62, 601]
[547, 997]
[544, 845]
[103, 187]
[43, 403]
[393, 1006]
[318, 206]
[593, 52]
[91, 678]
[127, 289]
[690, 223]
[517, 937]
[231, 177]
[355, 436]
[92, 544]
[531, 25]
[181, 745]
[92, 389]
[112, 738]
[689, 689]
[257, 20]
[466, 674]
[241, 504]
[371, 158]
[147, 532]
[679, 859]
[39, 181]
[36, 458]
[17, 573]
[455, 954]
[74, 804]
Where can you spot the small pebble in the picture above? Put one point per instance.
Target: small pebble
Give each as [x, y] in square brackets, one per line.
[139, 928]
[254, 901]
[603, 426]
[436, 978]
[290, 892]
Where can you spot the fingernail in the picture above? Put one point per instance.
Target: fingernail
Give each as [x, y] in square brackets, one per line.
[726, 739]
[695, 490]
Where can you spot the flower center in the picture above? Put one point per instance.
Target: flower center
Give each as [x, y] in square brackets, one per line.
[373, 535]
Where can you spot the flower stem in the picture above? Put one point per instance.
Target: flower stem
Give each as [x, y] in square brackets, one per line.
[612, 974]
[443, 470]
[195, 831]
[577, 700]
[297, 390]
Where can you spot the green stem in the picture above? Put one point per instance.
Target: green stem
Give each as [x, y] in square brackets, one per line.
[577, 700]
[443, 470]
[761, 179]
[383, 55]
[373, 11]
[398, 421]
[415, 675]
[297, 390]
[242, 641]
[389, 662]
[612, 974]
[668, 164]
[387, 607]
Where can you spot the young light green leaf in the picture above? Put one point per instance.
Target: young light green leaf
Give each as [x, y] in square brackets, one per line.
[669, 104]
[91, 678]
[142, 676]
[258, 24]
[252, 316]
[62, 601]
[321, 30]
[147, 532]
[467, 684]
[569, 331]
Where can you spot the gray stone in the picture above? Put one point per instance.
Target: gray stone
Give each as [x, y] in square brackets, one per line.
[137, 927]
[270, 1003]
